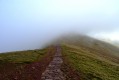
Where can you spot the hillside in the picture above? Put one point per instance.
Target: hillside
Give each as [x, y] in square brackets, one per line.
[81, 64]
[95, 46]
[89, 58]
[25, 65]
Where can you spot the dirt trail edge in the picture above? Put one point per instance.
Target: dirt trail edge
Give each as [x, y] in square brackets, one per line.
[53, 71]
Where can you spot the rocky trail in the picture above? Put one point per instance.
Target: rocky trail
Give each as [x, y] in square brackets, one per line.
[53, 71]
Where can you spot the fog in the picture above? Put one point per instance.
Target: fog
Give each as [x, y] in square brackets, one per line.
[31, 24]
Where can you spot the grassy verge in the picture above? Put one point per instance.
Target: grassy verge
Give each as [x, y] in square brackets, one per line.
[90, 65]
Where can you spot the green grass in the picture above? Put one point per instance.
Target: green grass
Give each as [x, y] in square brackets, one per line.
[90, 65]
[22, 56]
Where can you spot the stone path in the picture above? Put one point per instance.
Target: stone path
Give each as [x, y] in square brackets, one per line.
[53, 71]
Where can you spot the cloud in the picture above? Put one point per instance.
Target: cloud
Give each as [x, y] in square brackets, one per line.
[28, 24]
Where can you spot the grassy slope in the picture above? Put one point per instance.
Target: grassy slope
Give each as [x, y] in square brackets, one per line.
[22, 56]
[100, 48]
[90, 65]
[15, 61]
[94, 59]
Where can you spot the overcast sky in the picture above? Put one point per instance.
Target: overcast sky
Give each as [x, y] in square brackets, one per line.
[29, 24]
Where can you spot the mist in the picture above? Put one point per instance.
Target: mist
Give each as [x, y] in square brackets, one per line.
[32, 24]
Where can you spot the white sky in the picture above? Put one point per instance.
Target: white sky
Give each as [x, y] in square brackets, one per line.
[28, 24]
[113, 36]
